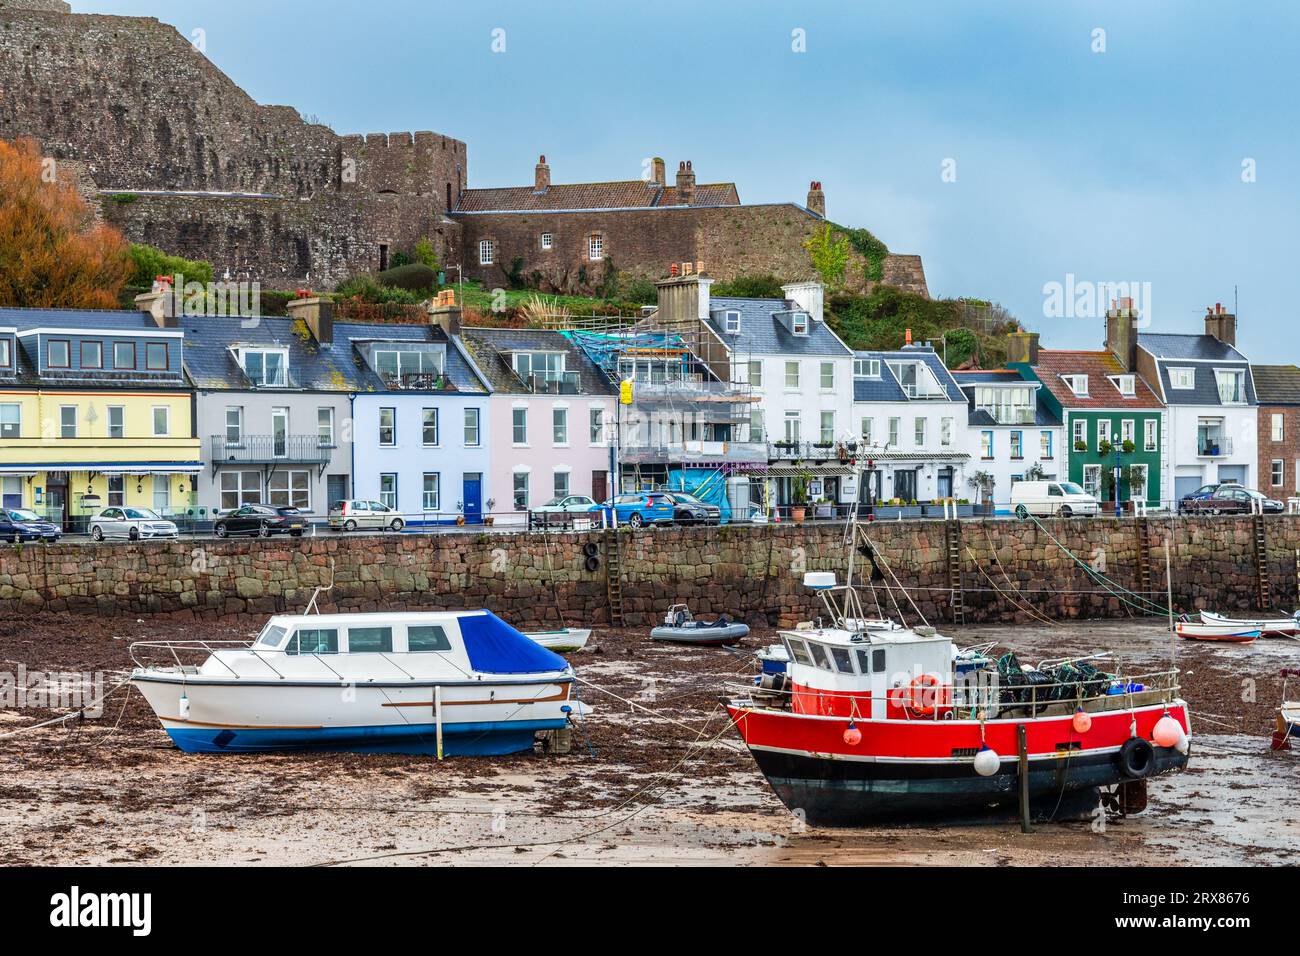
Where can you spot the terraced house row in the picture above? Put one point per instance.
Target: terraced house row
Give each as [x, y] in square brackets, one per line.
[754, 404]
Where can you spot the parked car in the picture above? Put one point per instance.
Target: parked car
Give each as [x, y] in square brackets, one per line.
[132, 523]
[261, 520]
[16, 531]
[1233, 499]
[1063, 498]
[45, 530]
[687, 509]
[561, 511]
[357, 513]
[642, 508]
[1205, 491]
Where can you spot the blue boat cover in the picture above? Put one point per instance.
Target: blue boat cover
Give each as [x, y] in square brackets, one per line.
[494, 647]
[709, 485]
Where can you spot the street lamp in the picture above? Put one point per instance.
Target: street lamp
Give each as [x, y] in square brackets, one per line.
[1118, 460]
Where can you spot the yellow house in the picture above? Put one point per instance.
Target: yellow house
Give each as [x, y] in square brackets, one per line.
[95, 411]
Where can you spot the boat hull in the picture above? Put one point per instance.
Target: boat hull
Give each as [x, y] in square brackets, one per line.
[1224, 633]
[459, 740]
[564, 640]
[703, 636]
[1271, 627]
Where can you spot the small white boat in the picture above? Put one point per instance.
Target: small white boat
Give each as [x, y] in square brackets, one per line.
[454, 682]
[681, 627]
[1267, 627]
[561, 640]
[1227, 633]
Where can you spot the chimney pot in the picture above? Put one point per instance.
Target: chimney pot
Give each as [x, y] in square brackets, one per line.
[685, 184]
[816, 199]
[542, 175]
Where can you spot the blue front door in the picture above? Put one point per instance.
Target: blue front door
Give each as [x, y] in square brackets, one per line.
[473, 497]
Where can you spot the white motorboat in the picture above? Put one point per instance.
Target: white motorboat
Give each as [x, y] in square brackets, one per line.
[454, 682]
[1267, 627]
[1232, 633]
[561, 640]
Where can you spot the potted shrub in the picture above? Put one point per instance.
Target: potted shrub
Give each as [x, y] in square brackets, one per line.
[825, 508]
[889, 510]
[964, 508]
[799, 498]
[912, 510]
[489, 519]
[1081, 445]
[1128, 446]
[935, 509]
[1104, 448]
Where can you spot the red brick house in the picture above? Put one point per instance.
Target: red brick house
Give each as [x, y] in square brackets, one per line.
[1278, 390]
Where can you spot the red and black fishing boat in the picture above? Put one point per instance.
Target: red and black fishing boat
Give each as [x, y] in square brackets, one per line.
[876, 722]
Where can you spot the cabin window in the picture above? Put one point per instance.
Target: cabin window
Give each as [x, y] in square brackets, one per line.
[843, 660]
[878, 660]
[427, 637]
[372, 640]
[321, 640]
[819, 656]
[864, 660]
[799, 652]
[271, 636]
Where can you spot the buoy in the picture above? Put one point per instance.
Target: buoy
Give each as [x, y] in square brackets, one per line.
[1183, 745]
[1082, 722]
[987, 761]
[185, 706]
[852, 736]
[1167, 732]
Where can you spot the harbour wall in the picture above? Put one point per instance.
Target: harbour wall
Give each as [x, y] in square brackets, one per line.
[1006, 571]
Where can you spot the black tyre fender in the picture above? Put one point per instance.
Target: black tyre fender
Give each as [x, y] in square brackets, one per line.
[590, 549]
[593, 562]
[1136, 758]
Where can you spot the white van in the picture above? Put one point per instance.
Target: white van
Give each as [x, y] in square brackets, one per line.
[1063, 498]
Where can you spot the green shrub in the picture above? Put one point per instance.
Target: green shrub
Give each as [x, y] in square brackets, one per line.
[366, 288]
[640, 290]
[413, 277]
[424, 253]
[151, 263]
[750, 287]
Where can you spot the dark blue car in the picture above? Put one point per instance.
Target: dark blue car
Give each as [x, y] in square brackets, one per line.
[16, 531]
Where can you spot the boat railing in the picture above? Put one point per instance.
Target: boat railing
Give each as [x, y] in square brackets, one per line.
[211, 648]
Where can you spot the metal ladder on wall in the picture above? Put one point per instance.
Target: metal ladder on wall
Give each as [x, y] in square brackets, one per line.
[958, 600]
[614, 577]
[1263, 592]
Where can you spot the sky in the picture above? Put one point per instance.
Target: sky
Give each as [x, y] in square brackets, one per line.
[1012, 145]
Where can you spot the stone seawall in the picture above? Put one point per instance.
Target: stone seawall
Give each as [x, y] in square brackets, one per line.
[752, 573]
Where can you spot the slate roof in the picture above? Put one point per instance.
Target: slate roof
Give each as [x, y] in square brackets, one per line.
[1277, 384]
[1102, 393]
[1201, 353]
[489, 348]
[970, 380]
[763, 333]
[92, 320]
[624, 194]
[887, 389]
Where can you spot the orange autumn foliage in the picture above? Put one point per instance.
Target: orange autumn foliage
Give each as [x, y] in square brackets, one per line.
[53, 254]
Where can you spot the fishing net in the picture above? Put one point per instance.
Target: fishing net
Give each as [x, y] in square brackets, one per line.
[1067, 681]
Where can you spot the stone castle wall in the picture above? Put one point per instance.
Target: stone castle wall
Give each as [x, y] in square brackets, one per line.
[751, 573]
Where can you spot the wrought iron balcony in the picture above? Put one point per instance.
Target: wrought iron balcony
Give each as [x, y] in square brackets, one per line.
[418, 381]
[565, 383]
[270, 449]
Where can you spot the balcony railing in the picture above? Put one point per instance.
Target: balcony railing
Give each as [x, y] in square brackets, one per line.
[693, 451]
[418, 381]
[565, 383]
[268, 449]
[806, 450]
[1213, 447]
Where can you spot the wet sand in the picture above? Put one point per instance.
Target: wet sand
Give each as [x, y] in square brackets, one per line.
[674, 786]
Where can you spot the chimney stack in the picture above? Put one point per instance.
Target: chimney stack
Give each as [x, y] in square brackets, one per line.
[1222, 325]
[1022, 348]
[683, 297]
[685, 184]
[160, 303]
[542, 175]
[445, 313]
[317, 314]
[808, 296]
[816, 198]
[657, 171]
[1121, 332]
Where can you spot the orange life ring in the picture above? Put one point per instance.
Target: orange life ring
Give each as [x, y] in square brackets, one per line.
[912, 697]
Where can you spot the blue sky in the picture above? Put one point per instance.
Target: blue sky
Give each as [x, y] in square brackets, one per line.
[1123, 165]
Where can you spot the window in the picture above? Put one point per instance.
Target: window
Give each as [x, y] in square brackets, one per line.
[313, 640]
[116, 491]
[521, 491]
[471, 427]
[1044, 444]
[756, 424]
[432, 489]
[11, 420]
[266, 368]
[560, 426]
[1232, 386]
[1126, 384]
[731, 321]
[820, 657]
[239, 488]
[1127, 430]
[1182, 378]
[596, 425]
[865, 431]
[6, 353]
[370, 640]
[791, 374]
[792, 426]
[866, 368]
[486, 252]
[388, 491]
[1137, 482]
[426, 637]
[325, 427]
[116, 421]
[519, 423]
[289, 489]
[1080, 434]
[799, 323]
[828, 427]
[828, 375]
[1103, 431]
[1017, 445]
[756, 373]
[123, 355]
[388, 426]
[918, 428]
[895, 424]
[406, 368]
[92, 355]
[561, 484]
[799, 651]
[1278, 426]
[1278, 473]
[162, 421]
[429, 426]
[546, 366]
[986, 444]
[1008, 404]
[1149, 434]
[1092, 480]
[548, 240]
[67, 421]
[155, 355]
[56, 353]
[162, 494]
[1077, 384]
[595, 247]
[945, 432]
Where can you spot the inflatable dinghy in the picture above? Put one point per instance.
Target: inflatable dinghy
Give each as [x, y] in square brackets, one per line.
[680, 627]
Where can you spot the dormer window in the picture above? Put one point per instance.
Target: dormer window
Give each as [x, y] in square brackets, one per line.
[1182, 378]
[400, 368]
[56, 353]
[731, 321]
[799, 323]
[1078, 384]
[1232, 386]
[537, 368]
[866, 368]
[6, 353]
[1126, 384]
[267, 368]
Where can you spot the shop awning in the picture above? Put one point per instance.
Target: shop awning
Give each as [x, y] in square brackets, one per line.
[817, 471]
[106, 468]
[920, 456]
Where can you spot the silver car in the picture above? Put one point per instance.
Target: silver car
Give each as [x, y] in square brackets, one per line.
[354, 513]
[130, 523]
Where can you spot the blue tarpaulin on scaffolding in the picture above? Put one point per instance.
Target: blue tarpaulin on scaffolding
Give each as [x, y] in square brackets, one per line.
[707, 484]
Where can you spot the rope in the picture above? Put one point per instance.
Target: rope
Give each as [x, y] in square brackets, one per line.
[1019, 606]
[649, 710]
[76, 713]
[897, 583]
[1112, 587]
